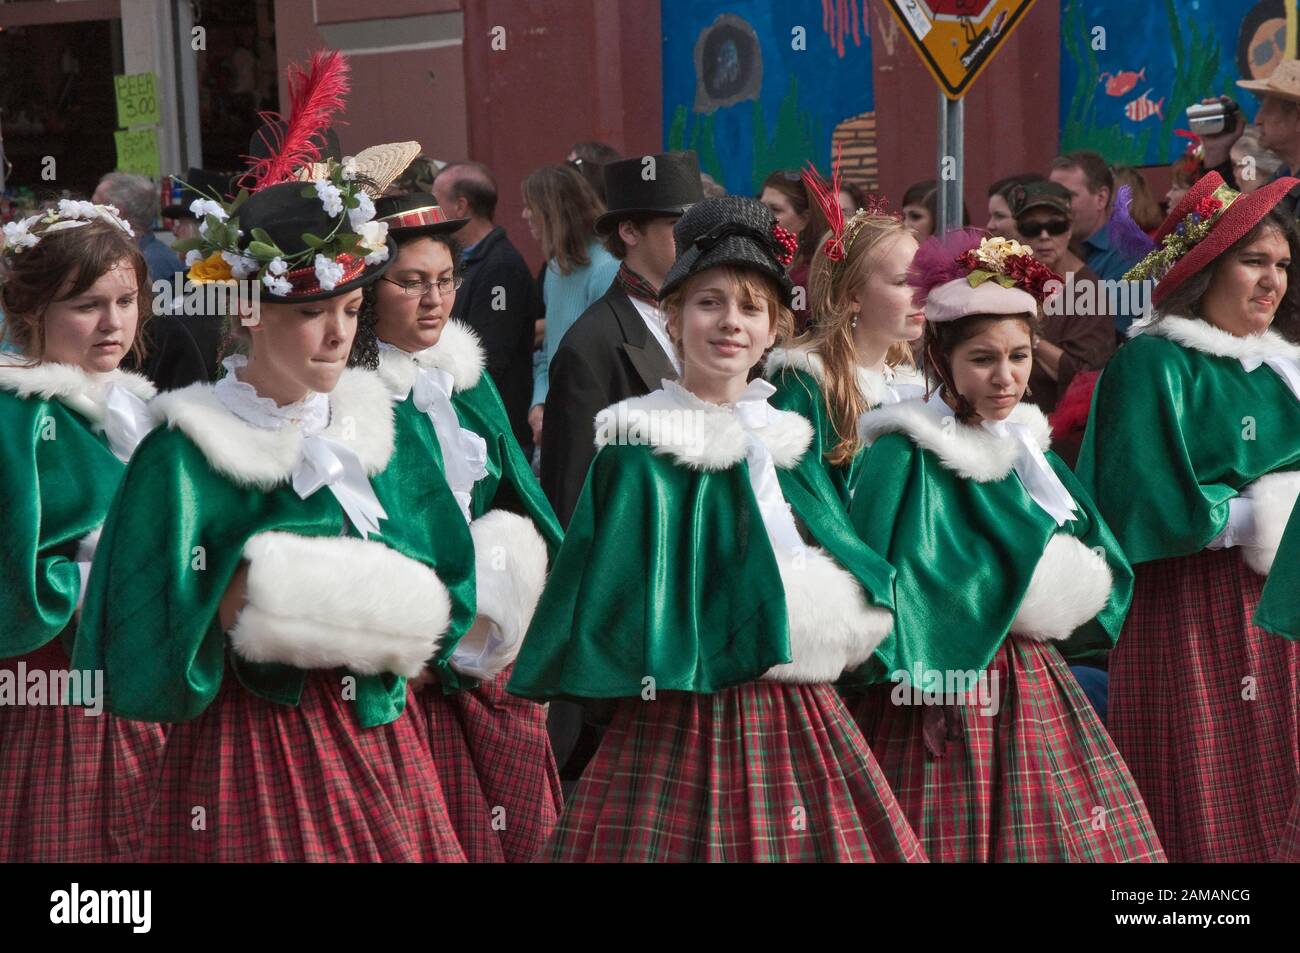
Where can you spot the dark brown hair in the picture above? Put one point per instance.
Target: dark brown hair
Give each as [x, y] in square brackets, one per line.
[566, 208]
[63, 265]
[1096, 173]
[365, 345]
[614, 243]
[942, 338]
[790, 184]
[1188, 297]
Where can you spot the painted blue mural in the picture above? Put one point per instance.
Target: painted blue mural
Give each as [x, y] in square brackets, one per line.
[1159, 57]
[740, 91]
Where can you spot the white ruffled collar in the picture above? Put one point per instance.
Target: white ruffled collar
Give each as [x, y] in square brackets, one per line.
[1199, 335]
[312, 413]
[360, 418]
[875, 386]
[975, 453]
[77, 389]
[700, 434]
[458, 352]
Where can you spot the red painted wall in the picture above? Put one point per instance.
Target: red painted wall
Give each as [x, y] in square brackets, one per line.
[1011, 109]
[572, 70]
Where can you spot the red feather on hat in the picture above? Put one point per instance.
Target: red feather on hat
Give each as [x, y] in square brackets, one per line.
[315, 95]
[828, 197]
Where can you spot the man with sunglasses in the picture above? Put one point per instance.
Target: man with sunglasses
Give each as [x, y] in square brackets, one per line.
[1070, 341]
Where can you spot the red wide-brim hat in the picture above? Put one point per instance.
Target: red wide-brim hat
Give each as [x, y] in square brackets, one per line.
[1234, 217]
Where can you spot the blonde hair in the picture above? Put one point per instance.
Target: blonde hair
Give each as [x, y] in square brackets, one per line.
[753, 284]
[830, 335]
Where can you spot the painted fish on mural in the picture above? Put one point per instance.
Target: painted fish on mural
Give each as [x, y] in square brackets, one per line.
[1143, 108]
[1117, 84]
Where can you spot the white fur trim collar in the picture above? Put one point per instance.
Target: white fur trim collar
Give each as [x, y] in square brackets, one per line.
[458, 352]
[1202, 336]
[873, 385]
[699, 434]
[972, 452]
[82, 391]
[361, 417]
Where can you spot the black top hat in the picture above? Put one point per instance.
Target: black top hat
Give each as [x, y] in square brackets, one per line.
[415, 215]
[669, 186]
[196, 184]
[285, 214]
[735, 231]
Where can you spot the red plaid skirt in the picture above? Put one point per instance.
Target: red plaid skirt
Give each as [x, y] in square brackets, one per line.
[762, 772]
[1288, 850]
[497, 770]
[1038, 779]
[73, 787]
[253, 781]
[1205, 708]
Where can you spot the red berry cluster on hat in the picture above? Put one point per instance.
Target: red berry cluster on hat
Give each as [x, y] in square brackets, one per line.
[789, 241]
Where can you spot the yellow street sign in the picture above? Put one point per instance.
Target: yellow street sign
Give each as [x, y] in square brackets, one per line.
[957, 38]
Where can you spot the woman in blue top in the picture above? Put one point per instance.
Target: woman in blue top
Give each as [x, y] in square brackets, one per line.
[561, 211]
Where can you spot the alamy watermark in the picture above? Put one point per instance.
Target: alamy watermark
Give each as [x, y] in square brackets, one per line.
[179, 296]
[922, 686]
[674, 427]
[21, 686]
[1095, 298]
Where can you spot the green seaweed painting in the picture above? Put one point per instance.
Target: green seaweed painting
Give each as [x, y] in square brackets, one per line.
[795, 136]
[1198, 72]
[794, 140]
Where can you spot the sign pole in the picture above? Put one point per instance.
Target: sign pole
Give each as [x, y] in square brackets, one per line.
[952, 159]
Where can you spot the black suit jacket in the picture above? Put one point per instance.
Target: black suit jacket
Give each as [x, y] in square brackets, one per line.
[607, 356]
[503, 321]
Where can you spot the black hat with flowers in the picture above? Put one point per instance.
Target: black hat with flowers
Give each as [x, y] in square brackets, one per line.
[731, 231]
[302, 239]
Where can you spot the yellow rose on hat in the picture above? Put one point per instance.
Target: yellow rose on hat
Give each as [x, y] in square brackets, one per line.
[210, 269]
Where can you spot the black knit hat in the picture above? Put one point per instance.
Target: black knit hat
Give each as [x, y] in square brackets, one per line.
[665, 184]
[735, 231]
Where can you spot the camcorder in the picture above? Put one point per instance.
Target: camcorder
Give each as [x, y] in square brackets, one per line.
[1211, 117]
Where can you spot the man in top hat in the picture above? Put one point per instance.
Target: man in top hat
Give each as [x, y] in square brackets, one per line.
[1278, 120]
[619, 347]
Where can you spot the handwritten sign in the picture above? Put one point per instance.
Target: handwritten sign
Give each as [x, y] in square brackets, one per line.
[137, 152]
[137, 100]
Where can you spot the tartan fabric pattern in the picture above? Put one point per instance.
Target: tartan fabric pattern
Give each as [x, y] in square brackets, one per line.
[1219, 770]
[298, 783]
[74, 788]
[1037, 780]
[761, 772]
[1288, 848]
[494, 757]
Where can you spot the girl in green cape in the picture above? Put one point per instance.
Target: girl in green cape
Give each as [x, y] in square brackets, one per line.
[855, 354]
[710, 589]
[1193, 454]
[1003, 565]
[74, 782]
[270, 578]
[490, 748]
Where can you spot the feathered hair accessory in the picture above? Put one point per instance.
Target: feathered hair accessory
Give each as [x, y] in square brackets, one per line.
[315, 95]
[842, 231]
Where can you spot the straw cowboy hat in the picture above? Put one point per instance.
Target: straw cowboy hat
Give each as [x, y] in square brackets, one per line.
[1283, 83]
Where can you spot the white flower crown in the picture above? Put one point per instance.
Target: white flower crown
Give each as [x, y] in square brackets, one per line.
[69, 214]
